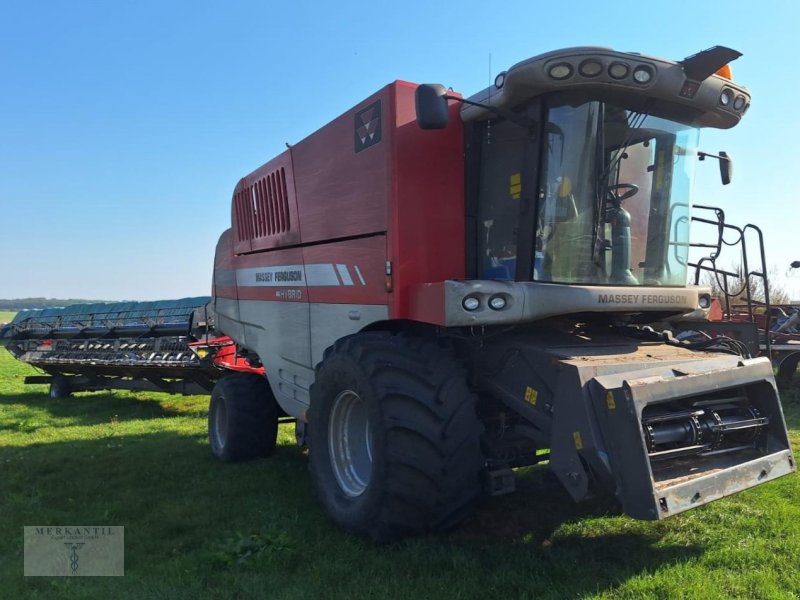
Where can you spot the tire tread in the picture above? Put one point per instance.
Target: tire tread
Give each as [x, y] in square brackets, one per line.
[252, 417]
[432, 456]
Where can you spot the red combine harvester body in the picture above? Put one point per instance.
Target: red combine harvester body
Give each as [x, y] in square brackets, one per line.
[438, 290]
[442, 289]
[339, 231]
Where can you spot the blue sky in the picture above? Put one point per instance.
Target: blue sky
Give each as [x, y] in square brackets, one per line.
[124, 126]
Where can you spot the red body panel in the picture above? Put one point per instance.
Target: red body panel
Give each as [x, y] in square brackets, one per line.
[359, 267]
[367, 188]
[427, 303]
[264, 208]
[341, 192]
[427, 226]
[224, 284]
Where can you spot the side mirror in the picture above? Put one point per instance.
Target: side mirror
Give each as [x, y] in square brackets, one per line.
[725, 164]
[725, 167]
[431, 104]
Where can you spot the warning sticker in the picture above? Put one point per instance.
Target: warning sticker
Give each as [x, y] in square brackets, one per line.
[515, 185]
[531, 395]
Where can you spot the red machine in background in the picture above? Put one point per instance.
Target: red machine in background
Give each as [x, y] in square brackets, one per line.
[742, 309]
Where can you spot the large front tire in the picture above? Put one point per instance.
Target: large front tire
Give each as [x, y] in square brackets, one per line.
[242, 418]
[393, 436]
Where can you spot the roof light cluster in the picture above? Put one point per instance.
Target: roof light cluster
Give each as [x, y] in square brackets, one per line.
[692, 91]
[642, 74]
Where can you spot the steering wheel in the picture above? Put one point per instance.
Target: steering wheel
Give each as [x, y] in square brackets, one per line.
[630, 190]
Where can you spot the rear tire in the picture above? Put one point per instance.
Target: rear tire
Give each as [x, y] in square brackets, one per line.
[60, 387]
[242, 418]
[393, 436]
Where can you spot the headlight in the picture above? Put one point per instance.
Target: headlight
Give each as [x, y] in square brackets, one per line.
[590, 68]
[725, 97]
[642, 74]
[470, 303]
[560, 71]
[619, 70]
[497, 303]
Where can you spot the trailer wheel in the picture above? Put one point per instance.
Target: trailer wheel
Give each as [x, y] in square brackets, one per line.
[393, 436]
[787, 368]
[60, 387]
[242, 418]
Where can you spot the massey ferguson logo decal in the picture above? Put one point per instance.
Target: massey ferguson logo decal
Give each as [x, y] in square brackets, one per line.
[368, 126]
[278, 276]
[642, 299]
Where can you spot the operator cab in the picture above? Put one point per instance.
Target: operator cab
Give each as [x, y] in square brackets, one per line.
[610, 202]
[580, 164]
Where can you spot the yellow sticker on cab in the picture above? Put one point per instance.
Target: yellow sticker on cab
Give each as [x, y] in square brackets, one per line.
[515, 185]
[531, 395]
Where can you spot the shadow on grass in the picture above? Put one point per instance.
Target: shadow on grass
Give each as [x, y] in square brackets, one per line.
[91, 408]
[165, 488]
[532, 514]
[175, 500]
[575, 549]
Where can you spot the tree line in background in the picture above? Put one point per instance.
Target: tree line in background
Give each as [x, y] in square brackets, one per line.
[18, 304]
[737, 286]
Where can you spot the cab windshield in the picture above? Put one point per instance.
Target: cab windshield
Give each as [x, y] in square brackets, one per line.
[613, 198]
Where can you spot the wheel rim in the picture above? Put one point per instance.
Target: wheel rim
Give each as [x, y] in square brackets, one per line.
[350, 443]
[220, 429]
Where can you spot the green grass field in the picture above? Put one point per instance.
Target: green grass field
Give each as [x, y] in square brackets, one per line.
[199, 529]
[6, 316]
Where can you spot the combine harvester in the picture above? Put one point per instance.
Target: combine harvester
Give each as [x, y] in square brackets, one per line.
[439, 290]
